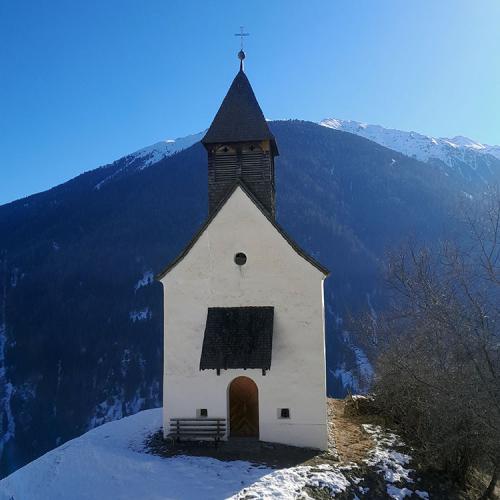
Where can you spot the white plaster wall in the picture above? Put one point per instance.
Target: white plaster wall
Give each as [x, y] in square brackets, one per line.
[274, 275]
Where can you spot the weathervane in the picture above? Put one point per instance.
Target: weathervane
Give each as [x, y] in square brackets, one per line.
[241, 53]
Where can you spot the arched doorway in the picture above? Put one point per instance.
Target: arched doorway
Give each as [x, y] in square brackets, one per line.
[243, 408]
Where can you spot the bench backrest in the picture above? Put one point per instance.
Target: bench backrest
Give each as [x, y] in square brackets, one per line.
[198, 426]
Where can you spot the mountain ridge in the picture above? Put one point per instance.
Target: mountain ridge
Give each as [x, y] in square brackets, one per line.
[481, 162]
[411, 143]
[428, 149]
[476, 163]
[82, 319]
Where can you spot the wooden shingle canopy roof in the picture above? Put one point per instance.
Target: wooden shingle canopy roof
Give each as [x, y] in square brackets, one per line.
[238, 337]
[241, 184]
[239, 118]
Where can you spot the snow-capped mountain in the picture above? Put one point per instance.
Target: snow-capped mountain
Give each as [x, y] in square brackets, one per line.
[145, 157]
[459, 155]
[451, 152]
[158, 151]
[472, 159]
[80, 312]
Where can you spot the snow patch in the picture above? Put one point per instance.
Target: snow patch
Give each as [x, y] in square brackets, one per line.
[156, 152]
[107, 411]
[347, 379]
[7, 423]
[147, 279]
[422, 494]
[359, 378]
[150, 155]
[390, 463]
[290, 483]
[141, 315]
[398, 493]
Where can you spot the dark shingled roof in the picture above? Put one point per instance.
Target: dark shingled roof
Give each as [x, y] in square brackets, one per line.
[241, 184]
[239, 118]
[238, 337]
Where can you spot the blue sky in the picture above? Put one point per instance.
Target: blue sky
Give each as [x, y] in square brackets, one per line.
[84, 82]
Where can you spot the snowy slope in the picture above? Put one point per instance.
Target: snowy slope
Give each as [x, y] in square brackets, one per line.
[110, 463]
[413, 144]
[456, 152]
[419, 146]
[145, 157]
[156, 152]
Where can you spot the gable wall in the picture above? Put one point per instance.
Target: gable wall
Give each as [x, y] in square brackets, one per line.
[274, 275]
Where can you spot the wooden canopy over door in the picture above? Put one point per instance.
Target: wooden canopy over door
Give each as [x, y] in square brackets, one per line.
[243, 408]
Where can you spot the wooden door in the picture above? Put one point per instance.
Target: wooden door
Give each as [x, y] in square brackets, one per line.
[243, 408]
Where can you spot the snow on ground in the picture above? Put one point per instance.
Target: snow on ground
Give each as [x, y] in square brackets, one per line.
[141, 315]
[347, 378]
[420, 146]
[290, 483]
[390, 463]
[150, 155]
[110, 462]
[357, 379]
[147, 279]
[7, 424]
[162, 149]
[108, 410]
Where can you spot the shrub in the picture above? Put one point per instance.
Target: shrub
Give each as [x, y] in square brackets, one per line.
[438, 363]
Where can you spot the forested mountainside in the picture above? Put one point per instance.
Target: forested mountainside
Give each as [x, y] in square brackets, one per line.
[81, 315]
[475, 163]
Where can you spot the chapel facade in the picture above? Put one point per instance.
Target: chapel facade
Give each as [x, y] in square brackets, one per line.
[244, 336]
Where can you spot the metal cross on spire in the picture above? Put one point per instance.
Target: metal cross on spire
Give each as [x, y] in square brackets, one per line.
[241, 53]
[242, 34]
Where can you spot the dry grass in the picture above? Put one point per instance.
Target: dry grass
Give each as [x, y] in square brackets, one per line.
[352, 443]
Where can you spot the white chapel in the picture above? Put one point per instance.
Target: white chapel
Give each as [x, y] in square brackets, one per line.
[244, 335]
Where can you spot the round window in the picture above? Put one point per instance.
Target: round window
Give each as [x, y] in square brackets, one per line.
[240, 258]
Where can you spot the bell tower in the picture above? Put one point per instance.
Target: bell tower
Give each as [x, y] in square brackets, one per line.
[240, 146]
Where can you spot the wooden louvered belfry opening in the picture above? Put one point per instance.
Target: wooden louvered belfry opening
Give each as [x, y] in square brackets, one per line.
[254, 164]
[226, 164]
[243, 408]
[251, 162]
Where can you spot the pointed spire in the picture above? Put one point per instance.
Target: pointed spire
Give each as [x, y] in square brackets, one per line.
[239, 118]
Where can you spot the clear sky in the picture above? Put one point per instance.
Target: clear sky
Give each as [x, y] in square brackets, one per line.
[84, 82]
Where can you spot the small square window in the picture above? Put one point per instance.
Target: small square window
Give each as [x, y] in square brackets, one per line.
[202, 412]
[284, 413]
